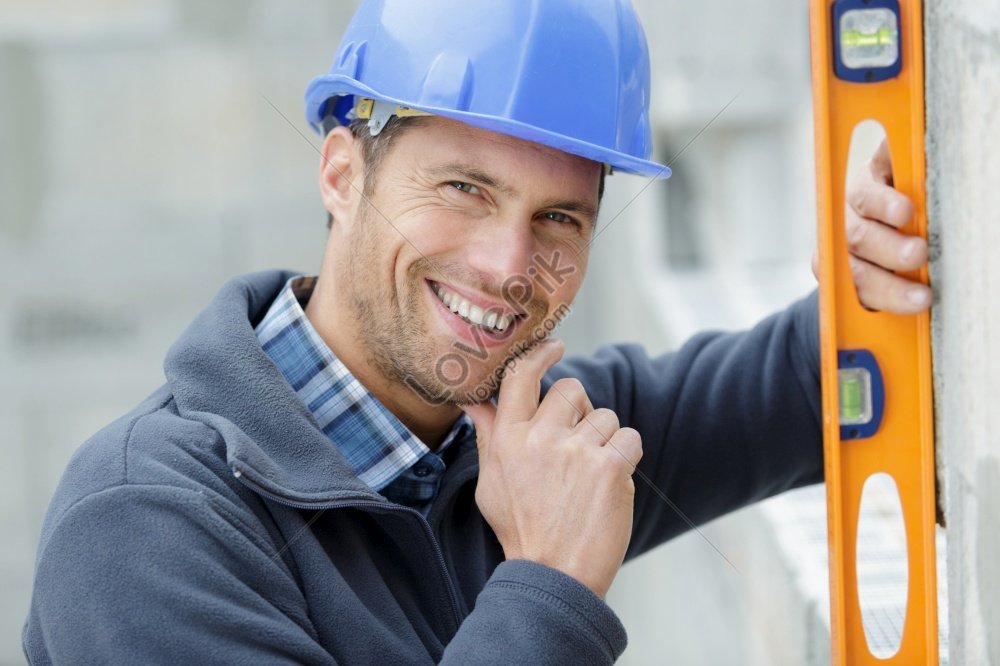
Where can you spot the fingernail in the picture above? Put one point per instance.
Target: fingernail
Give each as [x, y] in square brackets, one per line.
[919, 296]
[899, 209]
[892, 209]
[910, 249]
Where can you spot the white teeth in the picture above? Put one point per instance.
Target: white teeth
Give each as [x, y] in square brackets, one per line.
[472, 313]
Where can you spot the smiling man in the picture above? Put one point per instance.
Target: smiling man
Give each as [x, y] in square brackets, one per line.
[452, 216]
[388, 462]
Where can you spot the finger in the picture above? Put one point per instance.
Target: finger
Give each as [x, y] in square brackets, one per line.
[880, 202]
[483, 415]
[880, 165]
[565, 403]
[597, 427]
[879, 289]
[521, 385]
[626, 444]
[884, 246]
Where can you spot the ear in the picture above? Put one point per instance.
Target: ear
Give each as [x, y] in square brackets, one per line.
[340, 174]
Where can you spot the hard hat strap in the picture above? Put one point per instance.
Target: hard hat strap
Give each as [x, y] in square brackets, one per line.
[378, 113]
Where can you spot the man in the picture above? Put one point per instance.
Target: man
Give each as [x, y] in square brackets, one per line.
[324, 478]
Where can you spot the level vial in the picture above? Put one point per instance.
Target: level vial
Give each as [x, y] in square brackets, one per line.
[860, 393]
[866, 40]
[855, 396]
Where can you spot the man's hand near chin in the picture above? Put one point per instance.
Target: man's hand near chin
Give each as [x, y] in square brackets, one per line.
[555, 480]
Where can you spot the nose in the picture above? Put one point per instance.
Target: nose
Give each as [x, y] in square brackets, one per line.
[502, 247]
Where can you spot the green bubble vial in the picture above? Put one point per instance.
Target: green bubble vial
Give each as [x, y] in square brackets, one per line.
[855, 391]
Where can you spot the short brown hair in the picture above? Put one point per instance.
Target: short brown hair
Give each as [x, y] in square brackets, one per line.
[373, 148]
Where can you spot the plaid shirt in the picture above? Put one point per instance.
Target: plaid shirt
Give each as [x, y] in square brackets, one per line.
[384, 453]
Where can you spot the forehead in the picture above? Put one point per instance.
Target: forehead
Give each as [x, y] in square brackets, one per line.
[436, 141]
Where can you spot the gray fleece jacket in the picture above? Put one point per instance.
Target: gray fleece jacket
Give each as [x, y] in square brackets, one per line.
[215, 523]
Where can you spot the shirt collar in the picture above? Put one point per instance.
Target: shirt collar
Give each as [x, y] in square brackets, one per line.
[376, 443]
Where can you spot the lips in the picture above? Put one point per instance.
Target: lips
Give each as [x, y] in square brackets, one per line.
[476, 335]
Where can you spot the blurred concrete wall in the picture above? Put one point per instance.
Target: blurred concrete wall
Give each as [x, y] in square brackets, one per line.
[141, 164]
[963, 157]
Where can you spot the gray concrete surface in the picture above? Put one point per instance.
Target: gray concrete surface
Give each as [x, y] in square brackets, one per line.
[962, 54]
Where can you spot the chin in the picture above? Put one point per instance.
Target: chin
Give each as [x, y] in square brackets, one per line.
[437, 390]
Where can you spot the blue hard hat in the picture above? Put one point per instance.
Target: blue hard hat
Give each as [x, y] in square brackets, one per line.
[570, 74]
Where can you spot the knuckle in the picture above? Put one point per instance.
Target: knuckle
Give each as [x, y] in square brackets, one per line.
[857, 234]
[629, 452]
[857, 196]
[605, 417]
[632, 442]
[571, 387]
[540, 437]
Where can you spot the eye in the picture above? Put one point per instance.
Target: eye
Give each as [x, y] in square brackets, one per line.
[561, 218]
[468, 188]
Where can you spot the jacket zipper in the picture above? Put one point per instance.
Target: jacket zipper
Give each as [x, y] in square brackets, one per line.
[380, 506]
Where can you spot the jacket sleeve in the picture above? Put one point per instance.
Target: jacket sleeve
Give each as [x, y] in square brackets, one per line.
[529, 613]
[727, 420]
[115, 582]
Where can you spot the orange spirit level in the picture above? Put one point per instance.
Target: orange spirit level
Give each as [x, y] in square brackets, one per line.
[867, 63]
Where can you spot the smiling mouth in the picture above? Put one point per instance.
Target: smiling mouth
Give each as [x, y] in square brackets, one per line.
[490, 320]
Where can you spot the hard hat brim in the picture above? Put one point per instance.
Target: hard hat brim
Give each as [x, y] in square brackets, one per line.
[326, 87]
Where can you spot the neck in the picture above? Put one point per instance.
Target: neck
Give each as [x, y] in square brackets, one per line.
[431, 423]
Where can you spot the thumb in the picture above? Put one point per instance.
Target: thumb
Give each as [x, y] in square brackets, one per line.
[483, 415]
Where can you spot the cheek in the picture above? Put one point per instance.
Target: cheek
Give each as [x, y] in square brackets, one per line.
[564, 294]
[431, 240]
[372, 256]
[562, 276]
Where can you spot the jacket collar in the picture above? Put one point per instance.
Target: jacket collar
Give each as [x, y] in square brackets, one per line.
[219, 375]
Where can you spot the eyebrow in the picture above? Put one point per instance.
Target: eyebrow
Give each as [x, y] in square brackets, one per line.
[480, 177]
[472, 173]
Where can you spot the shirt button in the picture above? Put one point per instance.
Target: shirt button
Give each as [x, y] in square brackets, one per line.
[421, 470]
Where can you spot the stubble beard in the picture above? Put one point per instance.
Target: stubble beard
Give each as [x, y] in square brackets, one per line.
[395, 336]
